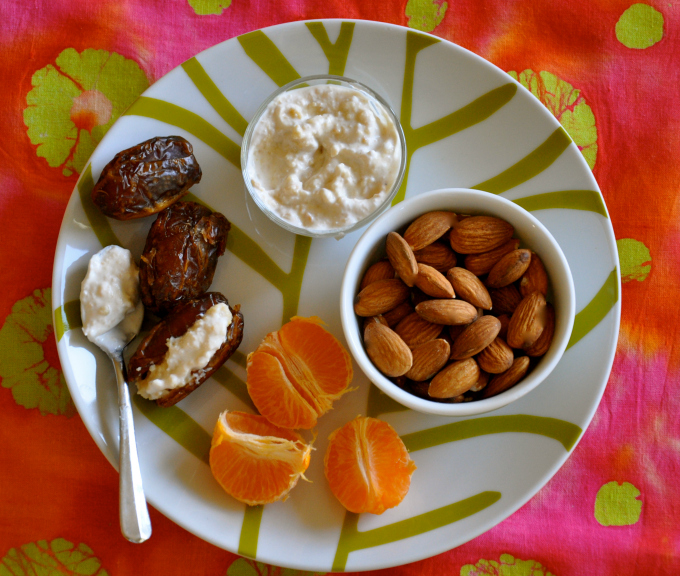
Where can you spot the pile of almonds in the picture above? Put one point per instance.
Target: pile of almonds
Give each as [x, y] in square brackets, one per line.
[457, 312]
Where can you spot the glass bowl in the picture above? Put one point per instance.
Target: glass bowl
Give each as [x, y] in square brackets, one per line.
[380, 106]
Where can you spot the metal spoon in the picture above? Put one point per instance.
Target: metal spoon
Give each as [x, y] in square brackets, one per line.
[135, 523]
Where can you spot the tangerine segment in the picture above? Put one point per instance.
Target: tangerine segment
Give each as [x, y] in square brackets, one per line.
[297, 373]
[367, 466]
[255, 461]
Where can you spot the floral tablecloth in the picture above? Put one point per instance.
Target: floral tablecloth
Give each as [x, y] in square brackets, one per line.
[608, 71]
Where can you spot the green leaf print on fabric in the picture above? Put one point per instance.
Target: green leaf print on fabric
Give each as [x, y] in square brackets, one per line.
[567, 105]
[244, 567]
[29, 366]
[507, 565]
[56, 558]
[425, 15]
[617, 504]
[635, 260]
[207, 7]
[74, 102]
[639, 27]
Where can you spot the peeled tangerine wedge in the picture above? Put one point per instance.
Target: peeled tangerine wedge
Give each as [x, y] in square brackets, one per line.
[255, 461]
[367, 466]
[297, 372]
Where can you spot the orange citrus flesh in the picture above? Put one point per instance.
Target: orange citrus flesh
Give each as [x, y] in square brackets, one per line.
[296, 373]
[255, 461]
[367, 466]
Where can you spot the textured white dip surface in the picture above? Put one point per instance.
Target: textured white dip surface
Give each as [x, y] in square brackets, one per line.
[324, 157]
[109, 292]
[191, 351]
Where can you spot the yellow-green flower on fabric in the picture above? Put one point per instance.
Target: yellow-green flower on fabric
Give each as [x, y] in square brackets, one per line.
[24, 338]
[634, 258]
[207, 7]
[56, 557]
[507, 565]
[74, 102]
[567, 105]
[425, 15]
[617, 504]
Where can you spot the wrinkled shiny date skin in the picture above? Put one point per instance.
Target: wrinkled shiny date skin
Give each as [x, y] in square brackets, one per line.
[146, 178]
[180, 255]
[153, 348]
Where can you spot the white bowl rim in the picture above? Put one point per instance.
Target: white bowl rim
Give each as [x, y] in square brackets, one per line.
[442, 199]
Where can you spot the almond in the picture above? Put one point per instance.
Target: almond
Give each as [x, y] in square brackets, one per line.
[504, 319]
[482, 381]
[501, 382]
[387, 350]
[497, 357]
[479, 234]
[535, 279]
[433, 283]
[469, 288]
[542, 345]
[528, 321]
[418, 296]
[456, 330]
[437, 255]
[429, 227]
[505, 300]
[455, 379]
[480, 264]
[414, 330]
[428, 359]
[509, 268]
[448, 312]
[380, 296]
[401, 257]
[379, 318]
[475, 337]
[394, 316]
[382, 270]
[419, 388]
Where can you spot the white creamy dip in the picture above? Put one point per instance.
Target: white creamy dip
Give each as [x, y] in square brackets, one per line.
[191, 351]
[109, 292]
[324, 157]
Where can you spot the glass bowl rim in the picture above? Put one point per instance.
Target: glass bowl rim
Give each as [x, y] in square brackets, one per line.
[332, 232]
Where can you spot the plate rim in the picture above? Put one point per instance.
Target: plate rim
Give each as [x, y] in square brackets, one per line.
[531, 489]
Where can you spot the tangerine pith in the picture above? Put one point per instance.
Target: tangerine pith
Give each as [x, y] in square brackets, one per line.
[297, 372]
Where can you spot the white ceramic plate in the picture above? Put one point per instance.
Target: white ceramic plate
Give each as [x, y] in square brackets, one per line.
[468, 124]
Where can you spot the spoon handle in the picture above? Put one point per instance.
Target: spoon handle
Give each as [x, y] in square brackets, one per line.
[135, 523]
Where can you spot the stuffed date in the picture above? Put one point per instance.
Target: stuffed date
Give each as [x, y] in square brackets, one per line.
[180, 255]
[183, 351]
[146, 178]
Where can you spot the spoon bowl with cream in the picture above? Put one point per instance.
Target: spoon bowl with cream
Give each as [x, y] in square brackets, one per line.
[112, 315]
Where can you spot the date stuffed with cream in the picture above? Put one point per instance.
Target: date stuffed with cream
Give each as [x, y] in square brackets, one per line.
[146, 178]
[180, 255]
[183, 351]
